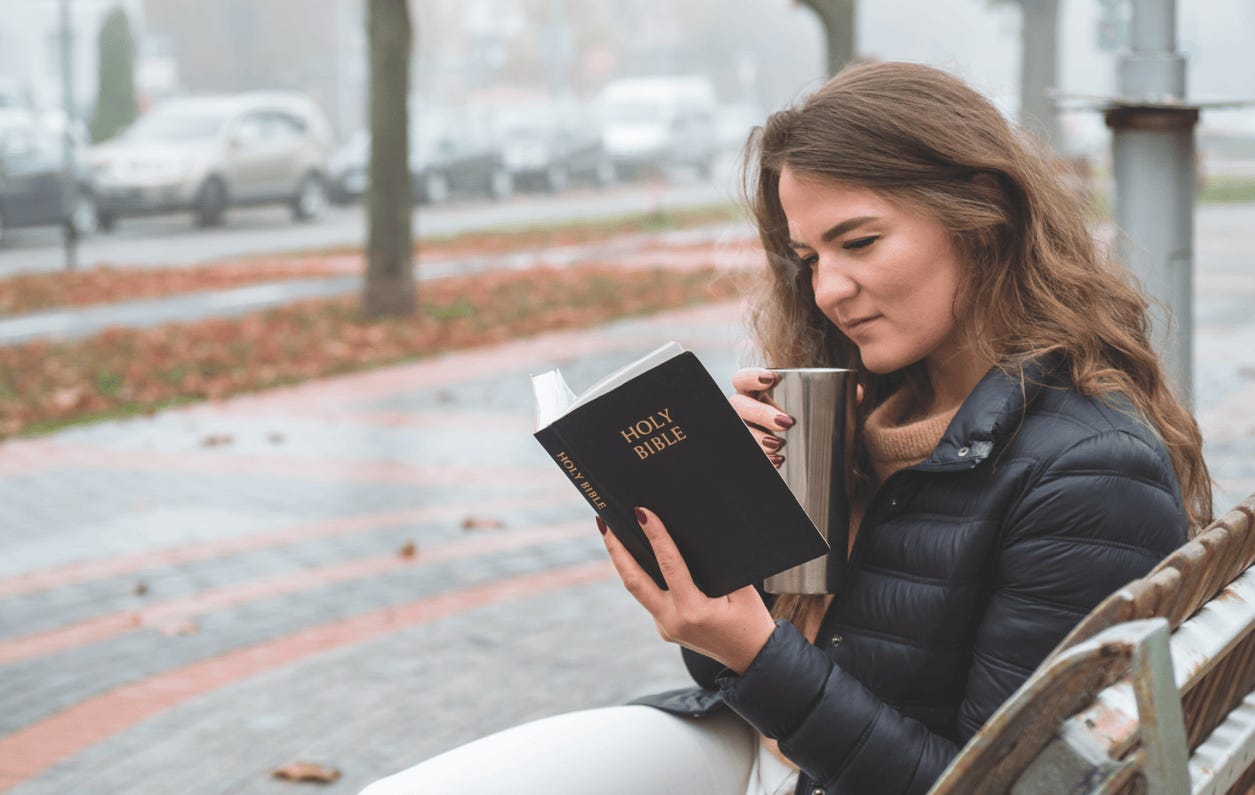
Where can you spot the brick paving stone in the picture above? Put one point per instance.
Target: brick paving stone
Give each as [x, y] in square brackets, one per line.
[195, 515]
[126, 658]
[398, 717]
[36, 748]
[157, 610]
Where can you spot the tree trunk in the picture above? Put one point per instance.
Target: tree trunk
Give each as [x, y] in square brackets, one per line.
[116, 106]
[1038, 69]
[837, 18]
[389, 288]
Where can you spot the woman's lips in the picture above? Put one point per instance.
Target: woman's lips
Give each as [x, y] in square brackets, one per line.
[854, 326]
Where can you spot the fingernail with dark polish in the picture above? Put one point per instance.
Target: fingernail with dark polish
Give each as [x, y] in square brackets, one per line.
[776, 459]
[784, 420]
[772, 443]
[767, 379]
[640, 516]
[601, 525]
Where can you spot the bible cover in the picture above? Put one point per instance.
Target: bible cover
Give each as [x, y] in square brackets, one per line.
[667, 439]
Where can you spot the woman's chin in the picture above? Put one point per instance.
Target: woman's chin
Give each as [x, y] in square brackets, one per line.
[880, 366]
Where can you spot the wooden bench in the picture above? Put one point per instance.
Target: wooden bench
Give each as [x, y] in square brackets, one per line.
[1154, 691]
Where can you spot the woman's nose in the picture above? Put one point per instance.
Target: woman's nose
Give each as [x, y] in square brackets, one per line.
[831, 285]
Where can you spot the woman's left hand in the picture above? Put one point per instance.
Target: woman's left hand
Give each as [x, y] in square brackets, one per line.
[731, 629]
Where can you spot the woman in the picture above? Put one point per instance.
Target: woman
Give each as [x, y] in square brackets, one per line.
[1020, 454]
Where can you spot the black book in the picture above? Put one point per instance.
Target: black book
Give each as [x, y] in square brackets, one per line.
[659, 433]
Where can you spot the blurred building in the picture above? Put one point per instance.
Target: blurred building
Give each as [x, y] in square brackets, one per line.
[30, 47]
[463, 47]
[757, 50]
[239, 45]
[763, 52]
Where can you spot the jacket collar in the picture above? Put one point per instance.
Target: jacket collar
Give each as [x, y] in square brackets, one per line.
[990, 414]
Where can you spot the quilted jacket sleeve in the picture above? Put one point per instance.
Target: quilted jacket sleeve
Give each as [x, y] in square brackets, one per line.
[1097, 516]
[703, 669]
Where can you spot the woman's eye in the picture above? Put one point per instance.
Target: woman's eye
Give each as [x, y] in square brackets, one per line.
[862, 242]
[808, 262]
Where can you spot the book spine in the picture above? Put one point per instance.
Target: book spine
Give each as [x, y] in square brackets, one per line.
[621, 520]
[580, 477]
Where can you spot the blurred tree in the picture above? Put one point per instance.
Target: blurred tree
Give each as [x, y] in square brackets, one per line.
[116, 106]
[837, 18]
[389, 287]
[1039, 48]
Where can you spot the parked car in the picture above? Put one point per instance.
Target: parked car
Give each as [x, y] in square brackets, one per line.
[550, 143]
[448, 154]
[206, 154]
[33, 187]
[656, 123]
[347, 169]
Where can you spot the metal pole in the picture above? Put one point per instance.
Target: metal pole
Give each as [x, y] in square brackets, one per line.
[1039, 47]
[68, 177]
[1154, 170]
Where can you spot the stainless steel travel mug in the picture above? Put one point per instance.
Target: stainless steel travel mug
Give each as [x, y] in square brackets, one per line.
[817, 457]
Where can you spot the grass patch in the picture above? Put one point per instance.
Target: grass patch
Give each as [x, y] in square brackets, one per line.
[123, 372]
[33, 292]
[1220, 189]
[457, 309]
[1212, 189]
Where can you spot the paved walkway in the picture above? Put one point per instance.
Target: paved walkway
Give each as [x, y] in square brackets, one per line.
[363, 571]
[75, 322]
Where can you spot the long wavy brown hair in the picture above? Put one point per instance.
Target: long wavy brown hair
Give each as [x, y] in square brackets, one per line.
[1035, 282]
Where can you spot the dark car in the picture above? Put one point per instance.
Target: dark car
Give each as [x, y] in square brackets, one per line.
[450, 152]
[548, 144]
[448, 155]
[33, 187]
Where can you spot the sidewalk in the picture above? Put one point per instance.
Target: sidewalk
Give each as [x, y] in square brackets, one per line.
[75, 322]
[190, 600]
[277, 620]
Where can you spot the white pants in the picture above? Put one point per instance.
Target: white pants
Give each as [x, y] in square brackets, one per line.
[631, 750]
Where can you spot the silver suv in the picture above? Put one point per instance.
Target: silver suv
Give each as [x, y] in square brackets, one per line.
[206, 154]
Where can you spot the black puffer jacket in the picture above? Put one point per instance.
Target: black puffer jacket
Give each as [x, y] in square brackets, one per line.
[969, 568]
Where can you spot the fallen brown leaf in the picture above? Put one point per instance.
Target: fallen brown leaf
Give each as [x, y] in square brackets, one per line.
[140, 588]
[479, 523]
[178, 628]
[306, 771]
[67, 398]
[408, 550]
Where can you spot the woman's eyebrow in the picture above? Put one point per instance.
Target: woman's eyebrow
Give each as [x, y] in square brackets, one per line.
[837, 230]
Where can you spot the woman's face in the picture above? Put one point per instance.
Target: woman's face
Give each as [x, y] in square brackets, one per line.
[883, 273]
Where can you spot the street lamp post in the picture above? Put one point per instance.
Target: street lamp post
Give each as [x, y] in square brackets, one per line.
[837, 19]
[1154, 170]
[69, 180]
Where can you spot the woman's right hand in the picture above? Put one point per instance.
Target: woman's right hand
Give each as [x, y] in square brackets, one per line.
[765, 419]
